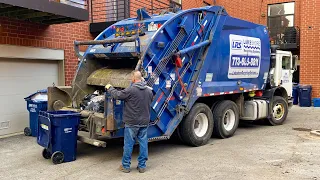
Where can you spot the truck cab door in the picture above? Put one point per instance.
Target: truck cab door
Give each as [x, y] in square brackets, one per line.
[284, 71]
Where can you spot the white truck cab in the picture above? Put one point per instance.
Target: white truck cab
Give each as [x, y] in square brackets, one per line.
[282, 72]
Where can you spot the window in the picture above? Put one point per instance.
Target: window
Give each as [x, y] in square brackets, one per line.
[286, 62]
[280, 19]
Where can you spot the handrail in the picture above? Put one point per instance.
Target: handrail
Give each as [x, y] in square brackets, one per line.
[287, 35]
[98, 42]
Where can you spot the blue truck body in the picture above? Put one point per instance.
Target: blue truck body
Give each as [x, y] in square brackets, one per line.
[185, 56]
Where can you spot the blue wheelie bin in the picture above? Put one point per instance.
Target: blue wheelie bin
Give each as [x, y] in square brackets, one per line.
[58, 133]
[35, 102]
[295, 94]
[316, 102]
[305, 96]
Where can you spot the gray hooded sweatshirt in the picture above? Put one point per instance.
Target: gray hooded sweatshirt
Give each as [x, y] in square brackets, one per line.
[138, 98]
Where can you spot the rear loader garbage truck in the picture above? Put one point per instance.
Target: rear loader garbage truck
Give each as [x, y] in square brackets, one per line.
[207, 71]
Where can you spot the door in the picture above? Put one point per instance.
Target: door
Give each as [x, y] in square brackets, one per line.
[287, 74]
[284, 72]
[18, 79]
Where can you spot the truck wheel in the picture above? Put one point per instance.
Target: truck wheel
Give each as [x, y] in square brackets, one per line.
[226, 119]
[196, 128]
[176, 136]
[279, 111]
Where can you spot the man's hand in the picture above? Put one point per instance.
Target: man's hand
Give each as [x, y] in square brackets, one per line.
[108, 86]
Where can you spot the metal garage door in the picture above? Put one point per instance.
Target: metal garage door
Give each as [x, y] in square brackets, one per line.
[18, 79]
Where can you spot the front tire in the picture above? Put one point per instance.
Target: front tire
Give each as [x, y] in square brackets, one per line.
[279, 111]
[226, 119]
[196, 128]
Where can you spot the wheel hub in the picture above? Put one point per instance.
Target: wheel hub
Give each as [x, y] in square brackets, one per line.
[196, 124]
[229, 120]
[278, 111]
[201, 124]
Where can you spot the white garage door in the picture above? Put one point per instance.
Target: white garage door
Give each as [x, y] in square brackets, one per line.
[18, 79]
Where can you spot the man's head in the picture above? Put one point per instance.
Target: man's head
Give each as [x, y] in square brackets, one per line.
[136, 76]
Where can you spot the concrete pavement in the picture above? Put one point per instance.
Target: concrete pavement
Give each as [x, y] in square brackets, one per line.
[255, 152]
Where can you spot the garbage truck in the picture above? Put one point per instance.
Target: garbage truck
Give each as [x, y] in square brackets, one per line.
[207, 71]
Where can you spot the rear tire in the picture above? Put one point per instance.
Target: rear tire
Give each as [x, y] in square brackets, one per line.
[279, 111]
[176, 136]
[226, 119]
[196, 128]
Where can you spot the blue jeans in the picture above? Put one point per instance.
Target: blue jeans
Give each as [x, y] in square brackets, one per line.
[131, 134]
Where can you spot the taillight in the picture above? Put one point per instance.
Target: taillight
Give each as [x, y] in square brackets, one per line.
[259, 93]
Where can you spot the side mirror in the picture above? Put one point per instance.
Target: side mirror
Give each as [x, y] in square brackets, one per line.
[295, 59]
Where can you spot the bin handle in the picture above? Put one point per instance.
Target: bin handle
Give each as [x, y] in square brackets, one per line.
[49, 127]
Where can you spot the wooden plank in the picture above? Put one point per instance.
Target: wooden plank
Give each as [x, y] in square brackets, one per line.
[93, 142]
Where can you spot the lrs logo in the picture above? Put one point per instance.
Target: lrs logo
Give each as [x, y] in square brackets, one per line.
[236, 44]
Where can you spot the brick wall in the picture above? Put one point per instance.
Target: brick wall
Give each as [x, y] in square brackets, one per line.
[250, 10]
[152, 6]
[15, 32]
[310, 47]
[188, 4]
[99, 8]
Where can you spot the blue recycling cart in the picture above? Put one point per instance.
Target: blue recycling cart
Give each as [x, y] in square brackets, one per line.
[295, 94]
[305, 99]
[316, 102]
[58, 133]
[35, 102]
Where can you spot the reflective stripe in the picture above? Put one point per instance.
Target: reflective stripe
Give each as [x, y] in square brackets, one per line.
[228, 92]
[195, 39]
[205, 23]
[155, 105]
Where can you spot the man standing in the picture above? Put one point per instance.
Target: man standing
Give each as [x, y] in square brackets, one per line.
[138, 98]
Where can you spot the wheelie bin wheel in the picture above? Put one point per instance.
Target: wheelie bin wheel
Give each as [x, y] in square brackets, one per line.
[27, 131]
[46, 154]
[57, 157]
